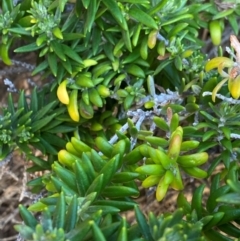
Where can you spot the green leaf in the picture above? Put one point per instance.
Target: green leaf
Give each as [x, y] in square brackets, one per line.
[43, 111]
[7, 6]
[42, 66]
[20, 31]
[52, 61]
[151, 169]
[67, 65]
[97, 162]
[79, 232]
[234, 24]
[135, 1]
[109, 170]
[142, 17]
[58, 50]
[62, 129]
[128, 102]
[37, 207]
[123, 235]
[177, 18]
[121, 177]
[22, 103]
[183, 203]
[59, 214]
[89, 19]
[97, 233]
[51, 125]
[48, 146]
[61, 186]
[88, 167]
[10, 105]
[37, 125]
[209, 134]
[230, 214]
[72, 36]
[71, 54]
[119, 192]
[34, 101]
[161, 123]
[28, 48]
[216, 217]
[227, 144]
[65, 175]
[226, 131]
[143, 225]
[24, 118]
[86, 3]
[212, 200]
[197, 201]
[230, 229]
[82, 180]
[158, 7]
[209, 117]
[224, 13]
[40, 162]
[24, 148]
[126, 39]
[27, 217]
[110, 230]
[51, 200]
[216, 235]
[96, 35]
[105, 209]
[54, 140]
[24, 231]
[116, 12]
[71, 217]
[96, 185]
[120, 204]
[230, 198]
[162, 65]
[70, 22]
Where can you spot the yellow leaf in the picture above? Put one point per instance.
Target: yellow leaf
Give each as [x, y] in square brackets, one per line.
[215, 62]
[234, 87]
[217, 88]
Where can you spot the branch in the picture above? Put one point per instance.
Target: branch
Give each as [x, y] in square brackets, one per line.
[227, 99]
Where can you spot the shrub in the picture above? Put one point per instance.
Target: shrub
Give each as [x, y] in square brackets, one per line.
[128, 100]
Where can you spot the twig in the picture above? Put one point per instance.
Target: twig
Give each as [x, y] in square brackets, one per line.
[229, 100]
[24, 184]
[115, 137]
[235, 136]
[6, 160]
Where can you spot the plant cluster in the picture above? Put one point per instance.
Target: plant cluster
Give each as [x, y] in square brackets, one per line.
[127, 102]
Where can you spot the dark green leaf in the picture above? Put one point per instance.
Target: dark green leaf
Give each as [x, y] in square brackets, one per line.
[142, 223]
[40, 162]
[71, 217]
[59, 214]
[52, 61]
[116, 12]
[37, 125]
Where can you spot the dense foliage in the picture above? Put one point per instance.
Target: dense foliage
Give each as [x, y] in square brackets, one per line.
[131, 98]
